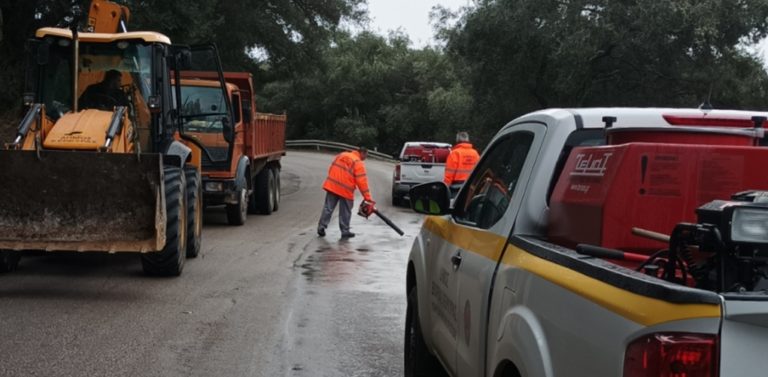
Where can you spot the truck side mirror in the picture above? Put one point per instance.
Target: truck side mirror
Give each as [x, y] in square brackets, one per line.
[432, 198]
[153, 102]
[229, 134]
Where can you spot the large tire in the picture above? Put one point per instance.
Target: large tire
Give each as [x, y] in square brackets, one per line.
[276, 191]
[9, 260]
[253, 206]
[419, 362]
[170, 260]
[263, 192]
[238, 212]
[194, 211]
[396, 200]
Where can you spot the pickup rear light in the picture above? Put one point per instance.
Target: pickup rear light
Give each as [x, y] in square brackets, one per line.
[397, 171]
[672, 355]
[708, 121]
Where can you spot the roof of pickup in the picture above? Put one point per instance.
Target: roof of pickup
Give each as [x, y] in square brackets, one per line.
[652, 117]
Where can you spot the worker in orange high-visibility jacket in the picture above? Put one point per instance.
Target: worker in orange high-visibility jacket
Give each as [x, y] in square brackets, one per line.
[460, 162]
[346, 172]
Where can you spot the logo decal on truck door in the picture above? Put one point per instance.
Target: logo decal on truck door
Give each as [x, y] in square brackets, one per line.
[590, 165]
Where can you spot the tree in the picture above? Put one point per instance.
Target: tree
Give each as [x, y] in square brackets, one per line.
[523, 55]
[289, 32]
[372, 90]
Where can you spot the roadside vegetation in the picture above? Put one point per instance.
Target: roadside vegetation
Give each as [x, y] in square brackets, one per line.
[493, 61]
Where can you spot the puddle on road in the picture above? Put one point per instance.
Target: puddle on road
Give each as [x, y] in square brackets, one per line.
[374, 260]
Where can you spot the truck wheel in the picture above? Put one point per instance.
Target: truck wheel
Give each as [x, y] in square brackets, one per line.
[170, 260]
[263, 192]
[275, 189]
[396, 201]
[236, 213]
[419, 362]
[9, 260]
[194, 211]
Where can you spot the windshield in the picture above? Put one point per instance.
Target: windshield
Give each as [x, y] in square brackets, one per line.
[110, 74]
[203, 110]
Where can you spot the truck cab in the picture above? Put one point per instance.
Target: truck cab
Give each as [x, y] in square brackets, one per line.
[242, 147]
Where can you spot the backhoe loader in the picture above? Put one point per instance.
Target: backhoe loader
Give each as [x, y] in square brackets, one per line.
[100, 161]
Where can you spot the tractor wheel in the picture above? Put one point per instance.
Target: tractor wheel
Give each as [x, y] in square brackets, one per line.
[9, 260]
[419, 362]
[276, 191]
[238, 212]
[194, 211]
[263, 193]
[170, 260]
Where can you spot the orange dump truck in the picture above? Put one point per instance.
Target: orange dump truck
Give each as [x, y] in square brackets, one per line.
[241, 150]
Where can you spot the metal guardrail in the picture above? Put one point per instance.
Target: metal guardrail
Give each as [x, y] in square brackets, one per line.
[322, 144]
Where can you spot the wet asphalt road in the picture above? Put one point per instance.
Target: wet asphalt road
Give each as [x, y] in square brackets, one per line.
[269, 298]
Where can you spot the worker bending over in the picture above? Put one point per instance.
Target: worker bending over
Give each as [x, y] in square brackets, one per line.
[346, 172]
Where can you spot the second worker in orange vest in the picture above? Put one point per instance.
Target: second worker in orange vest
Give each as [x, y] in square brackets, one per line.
[346, 172]
[460, 162]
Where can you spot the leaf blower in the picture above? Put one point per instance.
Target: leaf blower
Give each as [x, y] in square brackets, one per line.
[368, 208]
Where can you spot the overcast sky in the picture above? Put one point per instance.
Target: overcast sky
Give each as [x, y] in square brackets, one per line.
[410, 15]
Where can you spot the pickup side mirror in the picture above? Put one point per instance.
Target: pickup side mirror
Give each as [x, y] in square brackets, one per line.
[432, 198]
[229, 134]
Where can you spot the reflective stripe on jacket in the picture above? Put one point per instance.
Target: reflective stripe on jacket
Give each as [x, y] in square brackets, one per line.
[460, 163]
[347, 172]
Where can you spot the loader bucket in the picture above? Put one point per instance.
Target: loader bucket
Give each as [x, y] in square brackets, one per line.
[81, 201]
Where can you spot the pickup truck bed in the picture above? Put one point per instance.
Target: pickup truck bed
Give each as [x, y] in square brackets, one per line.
[418, 162]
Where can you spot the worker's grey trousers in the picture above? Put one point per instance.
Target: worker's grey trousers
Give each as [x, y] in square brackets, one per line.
[345, 211]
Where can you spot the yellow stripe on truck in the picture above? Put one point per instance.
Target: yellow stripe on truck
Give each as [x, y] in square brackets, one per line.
[641, 309]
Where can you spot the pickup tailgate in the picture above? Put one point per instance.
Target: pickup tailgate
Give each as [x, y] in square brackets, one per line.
[419, 172]
[744, 338]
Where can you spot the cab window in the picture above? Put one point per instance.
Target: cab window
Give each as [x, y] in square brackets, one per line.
[236, 107]
[490, 188]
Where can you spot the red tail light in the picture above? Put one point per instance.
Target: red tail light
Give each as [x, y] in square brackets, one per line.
[672, 355]
[707, 121]
[397, 172]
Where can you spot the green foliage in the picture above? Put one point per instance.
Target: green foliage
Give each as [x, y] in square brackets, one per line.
[524, 55]
[376, 91]
[290, 33]
[501, 59]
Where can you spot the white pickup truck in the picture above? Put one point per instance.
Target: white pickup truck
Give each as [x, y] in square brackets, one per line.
[418, 162]
[595, 243]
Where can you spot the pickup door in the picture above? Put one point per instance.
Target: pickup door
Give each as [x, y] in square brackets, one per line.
[488, 207]
[463, 256]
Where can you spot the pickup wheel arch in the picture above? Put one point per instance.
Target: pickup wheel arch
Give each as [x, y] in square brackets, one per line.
[507, 369]
[520, 343]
